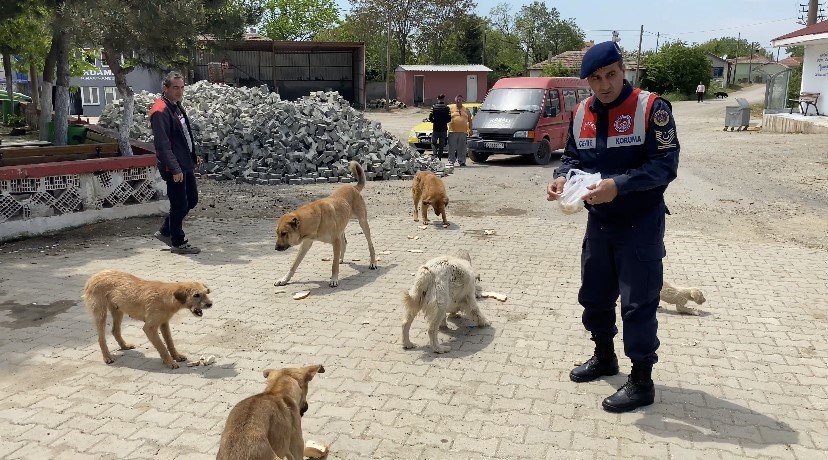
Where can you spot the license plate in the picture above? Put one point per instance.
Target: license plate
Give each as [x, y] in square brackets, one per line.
[494, 145]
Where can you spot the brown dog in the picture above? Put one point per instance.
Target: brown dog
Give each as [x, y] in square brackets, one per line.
[429, 189]
[325, 220]
[269, 424]
[153, 302]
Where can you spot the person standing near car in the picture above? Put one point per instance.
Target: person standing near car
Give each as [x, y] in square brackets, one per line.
[177, 160]
[458, 132]
[439, 117]
[629, 136]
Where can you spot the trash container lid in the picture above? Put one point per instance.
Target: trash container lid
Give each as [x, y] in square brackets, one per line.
[743, 103]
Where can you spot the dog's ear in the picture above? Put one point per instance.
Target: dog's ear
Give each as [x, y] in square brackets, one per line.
[311, 371]
[267, 372]
[294, 222]
[181, 295]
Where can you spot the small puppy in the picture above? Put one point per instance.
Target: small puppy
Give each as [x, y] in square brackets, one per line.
[720, 94]
[153, 302]
[679, 297]
[269, 425]
[325, 220]
[429, 189]
[443, 286]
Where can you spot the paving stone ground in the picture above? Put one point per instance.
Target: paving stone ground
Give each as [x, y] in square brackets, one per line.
[747, 378]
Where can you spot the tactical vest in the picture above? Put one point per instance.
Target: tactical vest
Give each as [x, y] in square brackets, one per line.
[627, 122]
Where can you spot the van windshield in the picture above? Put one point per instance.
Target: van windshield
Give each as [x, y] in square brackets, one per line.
[513, 99]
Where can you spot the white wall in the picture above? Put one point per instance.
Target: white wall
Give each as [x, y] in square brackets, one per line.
[815, 75]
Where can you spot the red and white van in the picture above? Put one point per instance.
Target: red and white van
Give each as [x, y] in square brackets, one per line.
[526, 116]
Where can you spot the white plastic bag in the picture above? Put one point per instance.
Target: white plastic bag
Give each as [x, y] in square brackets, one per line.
[577, 181]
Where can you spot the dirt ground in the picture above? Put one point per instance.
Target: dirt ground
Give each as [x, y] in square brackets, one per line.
[734, 185]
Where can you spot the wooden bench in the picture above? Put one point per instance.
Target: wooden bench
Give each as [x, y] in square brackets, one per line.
[806, 99]
[12, 156]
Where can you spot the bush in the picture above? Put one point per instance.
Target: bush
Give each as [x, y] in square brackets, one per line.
[677, 68]
[556, 69]
[15, 120]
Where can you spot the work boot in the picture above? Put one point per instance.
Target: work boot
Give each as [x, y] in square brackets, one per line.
[603, 362]
[185, 248]
[639, 390]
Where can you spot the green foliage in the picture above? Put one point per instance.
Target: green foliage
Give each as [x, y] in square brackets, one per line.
[556, 69]
[358, 28]
[795, 83]
[441, 31]
[297, 19]
[15, 120]
[796, 51]
[732, 47]
[677, 68]
[471, 43]
[540, 30]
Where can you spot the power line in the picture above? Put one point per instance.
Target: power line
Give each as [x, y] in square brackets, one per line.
[730, 28]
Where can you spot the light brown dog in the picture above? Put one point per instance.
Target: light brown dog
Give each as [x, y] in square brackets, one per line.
[153, 302]
[325, 220]
[269, 425]
[679, 296]
[429, 189]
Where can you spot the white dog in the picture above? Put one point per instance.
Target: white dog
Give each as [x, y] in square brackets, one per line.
[444, 285]
[679, 297]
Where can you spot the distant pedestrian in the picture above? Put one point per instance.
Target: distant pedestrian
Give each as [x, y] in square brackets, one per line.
[177, 160]
[458, 132]
[439, 117]
[700, 91]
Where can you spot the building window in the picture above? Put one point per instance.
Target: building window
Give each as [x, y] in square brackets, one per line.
[103, 59]
[90, 95]
[718, 72]
[110, 94]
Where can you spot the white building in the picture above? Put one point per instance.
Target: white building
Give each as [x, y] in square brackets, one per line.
[815, 63]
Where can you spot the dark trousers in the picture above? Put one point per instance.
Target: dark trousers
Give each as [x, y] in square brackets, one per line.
[700, 96]
[624, 260]
[438, 143]
[183, 197]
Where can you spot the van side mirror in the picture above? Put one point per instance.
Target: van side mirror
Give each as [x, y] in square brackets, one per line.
[550, 111]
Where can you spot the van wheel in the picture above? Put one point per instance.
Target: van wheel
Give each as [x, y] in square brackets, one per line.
[544, 154]
[478, 157]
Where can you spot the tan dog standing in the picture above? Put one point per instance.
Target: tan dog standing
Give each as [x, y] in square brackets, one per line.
[679, 296]
[269, 425]
[325, 220]
[429, 189]
[153, 302]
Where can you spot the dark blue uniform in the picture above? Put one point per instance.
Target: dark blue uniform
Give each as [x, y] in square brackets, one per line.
[624, 241]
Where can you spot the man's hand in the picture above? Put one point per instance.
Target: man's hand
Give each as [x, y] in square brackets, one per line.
[555, 189]
[604, 192]
[178, 177]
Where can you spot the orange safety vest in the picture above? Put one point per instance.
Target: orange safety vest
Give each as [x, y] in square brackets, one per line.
[628, 121]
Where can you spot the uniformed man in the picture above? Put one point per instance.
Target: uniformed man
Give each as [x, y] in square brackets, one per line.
[629, 136]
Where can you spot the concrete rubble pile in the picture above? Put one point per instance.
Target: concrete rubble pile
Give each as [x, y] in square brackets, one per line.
[380, 103]
[251, 135]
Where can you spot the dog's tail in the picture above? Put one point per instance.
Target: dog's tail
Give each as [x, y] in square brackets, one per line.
[357, 171]
[422, 291]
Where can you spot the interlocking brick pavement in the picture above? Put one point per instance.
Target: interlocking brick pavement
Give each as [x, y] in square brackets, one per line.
[745, 379]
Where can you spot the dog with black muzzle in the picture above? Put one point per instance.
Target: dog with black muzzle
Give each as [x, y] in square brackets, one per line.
[269, 425]
[153, 302]
[325, 220]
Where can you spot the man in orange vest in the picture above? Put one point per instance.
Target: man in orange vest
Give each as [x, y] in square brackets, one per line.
[629, 136]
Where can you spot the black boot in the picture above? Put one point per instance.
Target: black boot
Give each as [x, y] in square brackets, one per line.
[639, 390]
[603, 362]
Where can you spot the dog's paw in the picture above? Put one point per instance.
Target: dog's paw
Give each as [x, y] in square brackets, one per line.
[408, 345]
[426, 222]
[416, 219]
[171, 364]
[180, 358]
[483, 323]
[282, 282]
[128, 346]
[333, 283]
[109, 359]
[440, 349]
[372, 266]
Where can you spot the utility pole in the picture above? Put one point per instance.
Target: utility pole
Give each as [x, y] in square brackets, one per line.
[638, 59]
[736, 59]
[813, 6]
[750, 65]
[388, 66]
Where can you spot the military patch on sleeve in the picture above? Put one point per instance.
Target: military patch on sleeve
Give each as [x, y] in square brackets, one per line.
[661, 118]
[665, 138]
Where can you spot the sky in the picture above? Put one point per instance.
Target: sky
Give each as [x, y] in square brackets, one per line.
[687, 20]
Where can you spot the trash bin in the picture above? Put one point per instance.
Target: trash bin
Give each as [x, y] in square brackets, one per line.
[737, 116]
[76, 134]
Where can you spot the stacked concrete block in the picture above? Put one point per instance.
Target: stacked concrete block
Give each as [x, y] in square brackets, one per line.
[251, 135]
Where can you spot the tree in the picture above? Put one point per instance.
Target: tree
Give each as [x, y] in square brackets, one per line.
[541, 30]
[471, 42]
[677, 68]
[556, 69]
[297, 19]
[362, 28]
[403, 17]
[120, 27]
[26, 36]
[732, 47]
[796, 51]
[441, 31]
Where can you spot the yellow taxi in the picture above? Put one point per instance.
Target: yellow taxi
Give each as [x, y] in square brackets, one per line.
[420, 135]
